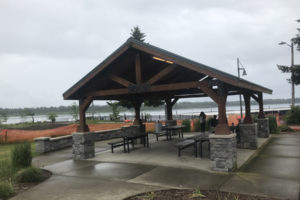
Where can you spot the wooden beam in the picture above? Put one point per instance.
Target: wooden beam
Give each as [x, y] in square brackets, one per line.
[109, 92]
[138, 71]
[174, 86]
[159, 88]
[121, 80]
[161, 74]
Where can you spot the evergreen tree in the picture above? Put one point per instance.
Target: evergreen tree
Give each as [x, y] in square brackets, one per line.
[295, 69]
[137, 34]
[296, 39]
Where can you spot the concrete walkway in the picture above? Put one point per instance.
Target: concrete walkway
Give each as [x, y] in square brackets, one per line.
[274, 171]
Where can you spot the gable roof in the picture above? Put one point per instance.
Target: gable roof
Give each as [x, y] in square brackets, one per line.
[166, 55]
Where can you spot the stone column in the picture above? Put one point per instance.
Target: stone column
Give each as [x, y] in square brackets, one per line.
[263, 130]
[248, 130]
[42, 144]
[223, 154]
[83, 145]
[248, 135]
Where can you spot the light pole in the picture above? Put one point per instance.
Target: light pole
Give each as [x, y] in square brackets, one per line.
[291, 68]
[244, 74]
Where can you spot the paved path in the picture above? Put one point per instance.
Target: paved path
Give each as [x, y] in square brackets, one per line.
[272, 172]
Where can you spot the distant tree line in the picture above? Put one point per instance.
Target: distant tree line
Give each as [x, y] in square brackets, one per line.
[5, 112]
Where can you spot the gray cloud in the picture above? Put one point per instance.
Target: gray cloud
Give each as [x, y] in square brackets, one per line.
[46, 46]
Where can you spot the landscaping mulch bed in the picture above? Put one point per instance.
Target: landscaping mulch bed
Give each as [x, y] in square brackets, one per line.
[21, 187]
[176, 194]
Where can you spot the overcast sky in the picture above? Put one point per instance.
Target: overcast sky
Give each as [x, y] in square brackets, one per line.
[47, 46]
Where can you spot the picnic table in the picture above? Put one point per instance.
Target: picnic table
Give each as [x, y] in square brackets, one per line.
[131, 139]
[127, 140]
[170, 130]
[199, 139]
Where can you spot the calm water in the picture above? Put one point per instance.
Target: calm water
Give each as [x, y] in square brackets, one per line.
[159, 114]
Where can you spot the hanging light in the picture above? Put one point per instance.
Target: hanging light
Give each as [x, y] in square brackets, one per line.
[163, 60]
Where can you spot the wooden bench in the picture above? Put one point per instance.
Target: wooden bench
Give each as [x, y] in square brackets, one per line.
[118, 144]
[186, 143]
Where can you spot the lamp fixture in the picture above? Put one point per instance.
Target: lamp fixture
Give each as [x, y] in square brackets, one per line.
[162, 60]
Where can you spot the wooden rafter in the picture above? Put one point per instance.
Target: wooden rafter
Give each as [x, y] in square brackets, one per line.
[138, 71]
[161, 74]
[121, 80]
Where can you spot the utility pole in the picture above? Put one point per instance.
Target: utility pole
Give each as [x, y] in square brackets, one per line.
[244, 74]
[284, 69]
[292, 65]
[238, 69]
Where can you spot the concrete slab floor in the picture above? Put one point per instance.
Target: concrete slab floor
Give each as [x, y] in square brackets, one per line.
[164, 153]
[119, 175]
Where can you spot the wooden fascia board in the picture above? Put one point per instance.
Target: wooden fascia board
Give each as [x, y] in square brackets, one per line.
[95, 71]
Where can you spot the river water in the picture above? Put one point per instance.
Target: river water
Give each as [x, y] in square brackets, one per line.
[155, 114]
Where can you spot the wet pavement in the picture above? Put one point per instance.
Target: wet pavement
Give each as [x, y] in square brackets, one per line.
[273, 171]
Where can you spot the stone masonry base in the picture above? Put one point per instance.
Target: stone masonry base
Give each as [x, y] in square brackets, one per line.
[223, 153]
[83, 145]
[248, 135]
[263, 130]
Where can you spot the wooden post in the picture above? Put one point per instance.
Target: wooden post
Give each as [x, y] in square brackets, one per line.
[222, 128]
[220, 98]
[83, 106]
[248, 118]
[169, 104]
[137, 107]
[169, 109]
[138, 71]
[261, 114]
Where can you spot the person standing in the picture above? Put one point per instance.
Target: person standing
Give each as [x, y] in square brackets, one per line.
[202, 117]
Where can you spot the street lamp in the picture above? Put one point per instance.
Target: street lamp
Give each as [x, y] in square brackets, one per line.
[292, 65]
[243, 74]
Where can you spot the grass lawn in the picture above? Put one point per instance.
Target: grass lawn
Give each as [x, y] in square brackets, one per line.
[5, 150]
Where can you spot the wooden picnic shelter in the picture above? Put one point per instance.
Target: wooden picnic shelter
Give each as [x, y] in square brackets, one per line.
[137, 71]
